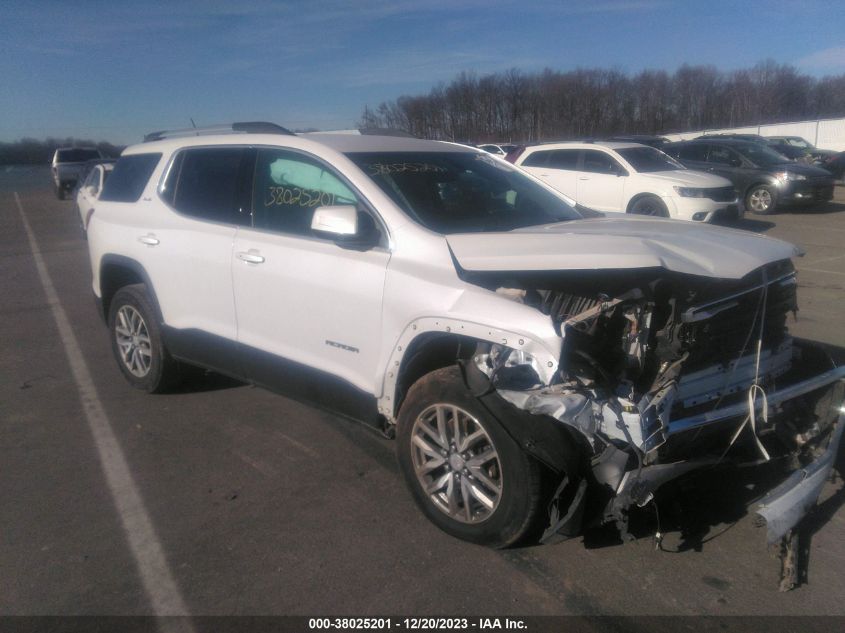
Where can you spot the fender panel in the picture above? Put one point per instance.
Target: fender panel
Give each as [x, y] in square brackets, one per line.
[547, 358]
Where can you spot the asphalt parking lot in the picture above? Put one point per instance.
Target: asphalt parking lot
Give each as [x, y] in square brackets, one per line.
[261, 505]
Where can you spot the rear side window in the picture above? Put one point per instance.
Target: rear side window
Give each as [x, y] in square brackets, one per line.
[209, 183]
[129, 177]
[564, 159]
[536, 159]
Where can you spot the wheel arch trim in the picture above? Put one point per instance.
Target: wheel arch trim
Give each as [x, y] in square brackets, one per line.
[112, 261]
[388, 402]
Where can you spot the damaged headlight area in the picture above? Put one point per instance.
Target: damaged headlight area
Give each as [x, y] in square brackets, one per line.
[663, 373]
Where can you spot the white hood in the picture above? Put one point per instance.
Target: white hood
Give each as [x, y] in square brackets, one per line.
[627, 242]
[687, 178]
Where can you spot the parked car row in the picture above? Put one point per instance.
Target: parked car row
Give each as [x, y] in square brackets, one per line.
[650, 175]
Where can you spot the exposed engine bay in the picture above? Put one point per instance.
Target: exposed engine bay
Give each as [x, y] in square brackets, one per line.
[662, 373]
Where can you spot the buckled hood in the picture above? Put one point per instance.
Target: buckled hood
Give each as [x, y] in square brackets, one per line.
[621, 243]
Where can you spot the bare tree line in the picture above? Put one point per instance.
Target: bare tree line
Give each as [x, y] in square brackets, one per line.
[518, 106]
[30, 151]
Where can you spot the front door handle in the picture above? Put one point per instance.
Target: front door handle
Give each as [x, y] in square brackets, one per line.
[251, 257]
[149, 239]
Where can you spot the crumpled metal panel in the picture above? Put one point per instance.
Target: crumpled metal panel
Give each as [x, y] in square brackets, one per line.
[787, 504]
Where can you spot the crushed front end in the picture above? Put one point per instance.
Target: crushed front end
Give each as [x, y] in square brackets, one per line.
[661, 374]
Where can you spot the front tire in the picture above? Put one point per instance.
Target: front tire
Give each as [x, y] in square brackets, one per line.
[136, 341]
[649, 205]
[761, 199]
[466, 474]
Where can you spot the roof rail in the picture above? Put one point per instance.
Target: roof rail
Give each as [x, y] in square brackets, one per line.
[244, 127]
[384, 131]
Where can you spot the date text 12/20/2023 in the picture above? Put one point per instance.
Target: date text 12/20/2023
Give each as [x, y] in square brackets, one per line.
[416, 624]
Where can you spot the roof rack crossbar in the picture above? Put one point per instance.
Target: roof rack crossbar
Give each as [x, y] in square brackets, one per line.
[243, 127]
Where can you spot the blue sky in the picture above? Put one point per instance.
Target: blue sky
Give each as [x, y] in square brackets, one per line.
[115, 70]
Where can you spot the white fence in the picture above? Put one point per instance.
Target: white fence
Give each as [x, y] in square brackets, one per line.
[824, 133]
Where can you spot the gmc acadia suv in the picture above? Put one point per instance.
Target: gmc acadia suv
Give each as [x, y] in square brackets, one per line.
[442, 295]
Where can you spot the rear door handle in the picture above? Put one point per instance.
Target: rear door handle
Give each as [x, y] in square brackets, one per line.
[251, 257]
[583, 178]
[149, 239]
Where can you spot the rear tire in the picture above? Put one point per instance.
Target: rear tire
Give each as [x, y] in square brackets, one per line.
[649, 205]
[136, 341]
[465, 472]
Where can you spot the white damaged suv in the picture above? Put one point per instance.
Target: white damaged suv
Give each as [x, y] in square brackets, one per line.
[630, 178]
[537, 368]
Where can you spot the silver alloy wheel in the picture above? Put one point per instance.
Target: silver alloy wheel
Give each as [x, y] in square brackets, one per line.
[760, 199]
[456, 463]
[133, 341]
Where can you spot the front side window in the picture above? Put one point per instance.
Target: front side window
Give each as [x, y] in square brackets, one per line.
[462, 192]
[289, 186]
[696, 151]
[723, 156]
[129, 177]
[206, 183]
[648, 159]
[597, 162]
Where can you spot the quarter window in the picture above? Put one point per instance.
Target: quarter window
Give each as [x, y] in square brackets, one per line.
[288, 187]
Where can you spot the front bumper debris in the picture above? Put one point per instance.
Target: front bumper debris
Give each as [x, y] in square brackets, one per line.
[785, 506]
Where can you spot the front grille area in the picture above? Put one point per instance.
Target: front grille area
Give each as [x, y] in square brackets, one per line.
[562, 306]
[734, 327]
[721, 194]
[823, 193]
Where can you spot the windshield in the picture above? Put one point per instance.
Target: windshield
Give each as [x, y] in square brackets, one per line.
[762, 154]
[797, 141]
[647, 159]
[77, 155]
[463, 192]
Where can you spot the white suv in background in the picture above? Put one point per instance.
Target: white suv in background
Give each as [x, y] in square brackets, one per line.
[525, 358]
[630, 178]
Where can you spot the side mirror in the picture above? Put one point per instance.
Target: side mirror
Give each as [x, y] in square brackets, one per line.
[337, 221]
[348, 227]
